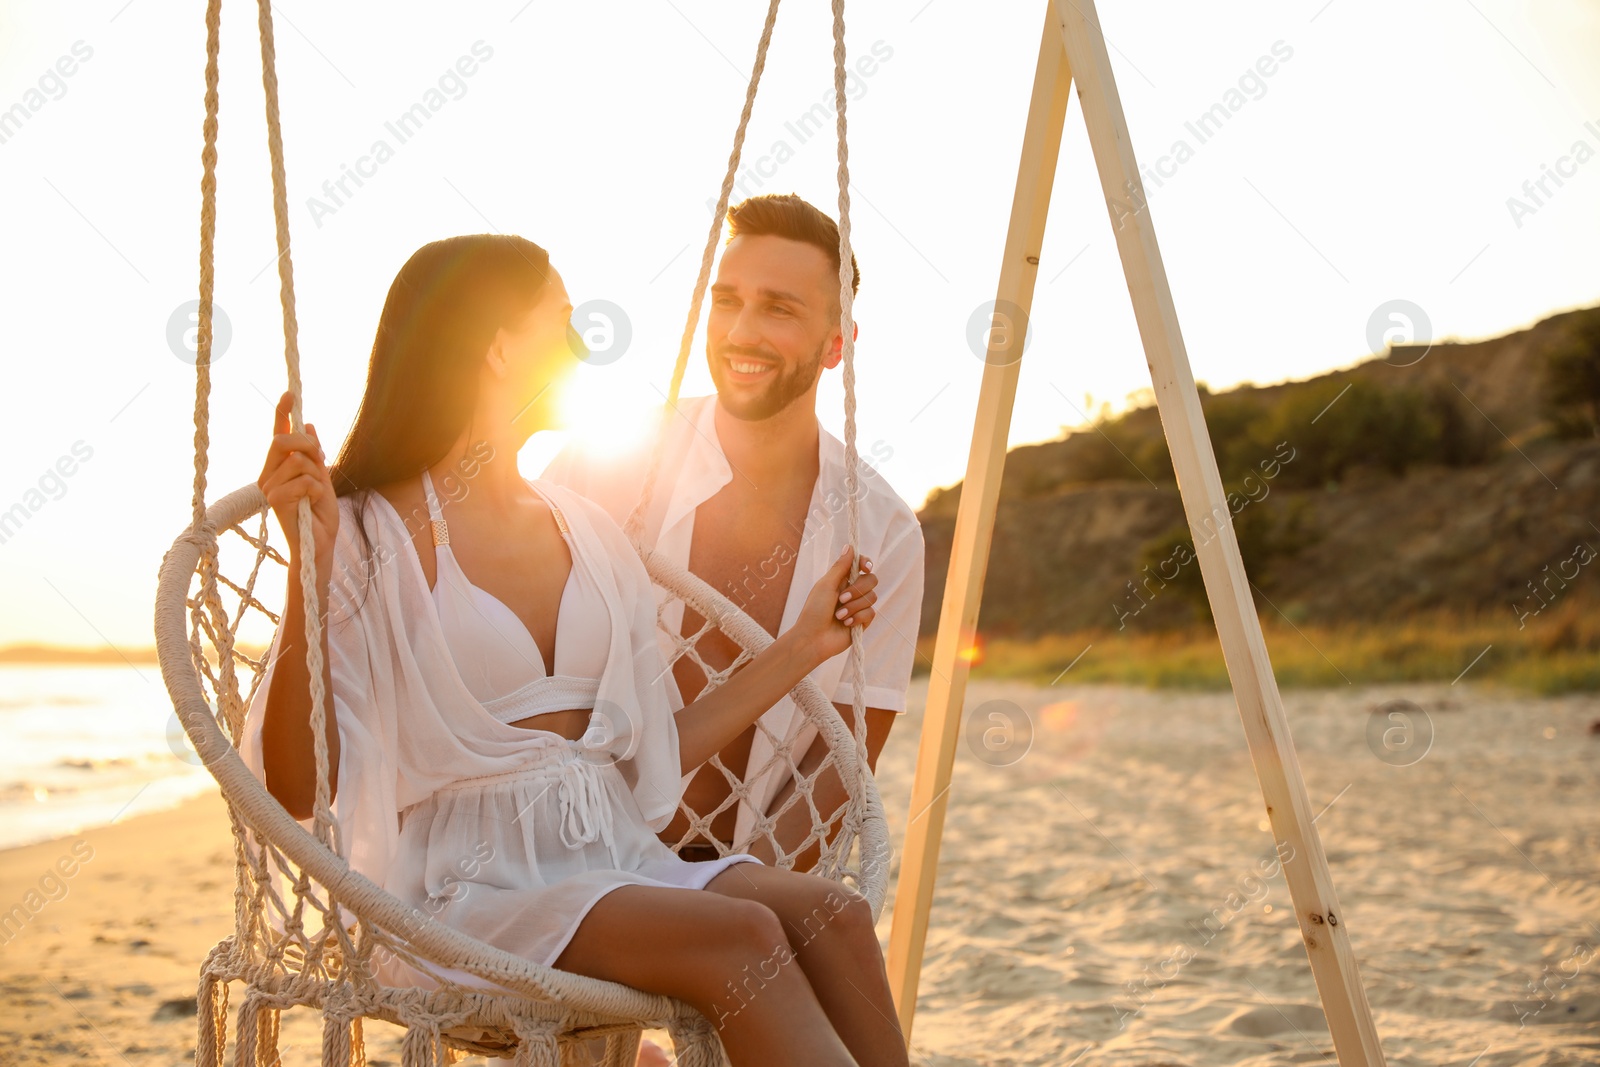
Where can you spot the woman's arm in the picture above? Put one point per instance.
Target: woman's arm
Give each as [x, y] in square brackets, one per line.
[294, 469]
[821, 632]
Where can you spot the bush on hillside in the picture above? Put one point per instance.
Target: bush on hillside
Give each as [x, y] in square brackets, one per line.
[1569, 393]
[1266, 534]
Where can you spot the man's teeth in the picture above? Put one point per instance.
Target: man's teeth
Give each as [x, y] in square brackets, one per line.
[748, 368]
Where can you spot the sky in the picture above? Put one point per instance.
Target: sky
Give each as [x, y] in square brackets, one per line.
[1384, 158]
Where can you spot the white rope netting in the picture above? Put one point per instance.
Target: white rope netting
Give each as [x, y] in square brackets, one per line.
[308, 930]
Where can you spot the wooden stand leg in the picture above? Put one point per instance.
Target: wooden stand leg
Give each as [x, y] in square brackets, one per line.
[1205, 504]
[969, 557]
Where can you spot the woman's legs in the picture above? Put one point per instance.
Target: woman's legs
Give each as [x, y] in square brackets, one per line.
[724, 957]
[830, 928]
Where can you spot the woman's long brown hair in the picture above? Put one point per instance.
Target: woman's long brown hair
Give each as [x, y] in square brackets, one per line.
[438, 320]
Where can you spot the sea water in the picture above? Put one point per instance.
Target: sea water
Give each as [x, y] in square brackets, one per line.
[86, 746]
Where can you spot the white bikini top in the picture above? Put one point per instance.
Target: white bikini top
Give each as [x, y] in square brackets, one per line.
[495, 654]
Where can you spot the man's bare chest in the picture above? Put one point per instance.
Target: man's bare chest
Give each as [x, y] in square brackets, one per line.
[746, 547]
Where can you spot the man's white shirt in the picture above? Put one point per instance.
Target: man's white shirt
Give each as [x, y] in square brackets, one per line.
[693, 469]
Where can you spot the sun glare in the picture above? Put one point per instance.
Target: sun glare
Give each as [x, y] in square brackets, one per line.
[605, 415]
[610, 416]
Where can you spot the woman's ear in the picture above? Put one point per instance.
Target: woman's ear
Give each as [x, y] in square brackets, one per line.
[494, 360]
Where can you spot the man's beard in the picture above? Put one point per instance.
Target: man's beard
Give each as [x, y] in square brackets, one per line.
[784, 389]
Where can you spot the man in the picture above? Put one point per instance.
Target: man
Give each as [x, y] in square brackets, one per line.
[752, 497]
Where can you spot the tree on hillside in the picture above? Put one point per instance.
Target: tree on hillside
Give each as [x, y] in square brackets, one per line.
[1330, 424]
[1348, 422]
[1230, 417]
[1570, 390]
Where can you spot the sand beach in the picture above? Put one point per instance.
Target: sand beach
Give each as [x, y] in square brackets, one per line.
[1108, 892]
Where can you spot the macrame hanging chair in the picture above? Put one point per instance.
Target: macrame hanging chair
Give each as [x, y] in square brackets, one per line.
[306, 926]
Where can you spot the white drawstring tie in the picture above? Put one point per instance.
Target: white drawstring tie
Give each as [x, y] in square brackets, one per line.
[586, 814]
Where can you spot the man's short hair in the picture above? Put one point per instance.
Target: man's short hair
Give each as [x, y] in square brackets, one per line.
[786, 215]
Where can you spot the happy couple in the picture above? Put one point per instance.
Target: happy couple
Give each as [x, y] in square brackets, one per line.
[505, 745]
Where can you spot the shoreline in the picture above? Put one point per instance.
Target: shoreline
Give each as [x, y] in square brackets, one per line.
[35, 655]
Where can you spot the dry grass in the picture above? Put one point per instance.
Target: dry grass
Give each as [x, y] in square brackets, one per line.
[1555, 652]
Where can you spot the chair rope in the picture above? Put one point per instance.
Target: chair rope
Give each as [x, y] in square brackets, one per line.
[326, 829]
[634, 527]
[852, 458]
[208, 273]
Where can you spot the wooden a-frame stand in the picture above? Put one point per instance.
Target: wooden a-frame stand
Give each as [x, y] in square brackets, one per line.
[1072, 41]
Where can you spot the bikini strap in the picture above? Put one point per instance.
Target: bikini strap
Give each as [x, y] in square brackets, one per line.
[441, 532]
[555, 512]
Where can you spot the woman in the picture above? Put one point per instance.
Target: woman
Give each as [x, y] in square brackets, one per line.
[503, 747]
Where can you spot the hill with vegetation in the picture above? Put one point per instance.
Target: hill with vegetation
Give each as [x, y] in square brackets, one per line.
[1458, 481]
